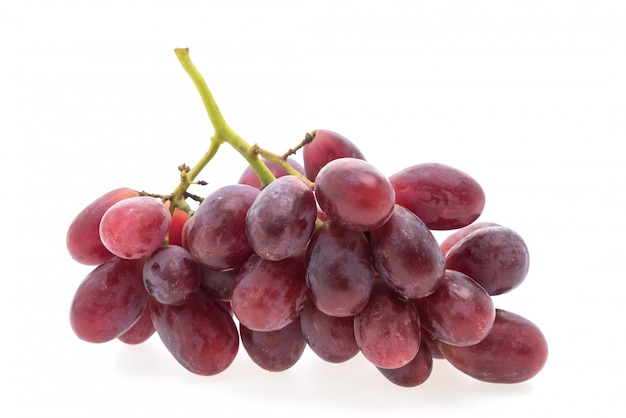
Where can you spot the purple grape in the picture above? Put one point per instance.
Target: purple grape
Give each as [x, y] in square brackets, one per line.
[407, 255]
[267, 295]
[494, 256]
[515, 350]
[339, 270]
[325, 147]
[442, 196]
[216, 233]
[281, 219]
[171, 275]
[275, 351]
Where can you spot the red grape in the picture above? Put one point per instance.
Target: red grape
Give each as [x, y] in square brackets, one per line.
[216, 233]
[514, 351]
[250, 178]
[354, 193]
[175, 234]
[494, 256]
[135, 227]
[217, 283]
[277, 350]
[141, 330]
[325, 147]
[171, 275]
[461, 233]
[407, 255]
[267, 295]
[83, 235]
[109, 300]
[281, 219]
[330, 337]
[340, 272]
[415, 372]
[200, 334]
[387, 330]
[458, 312]
[442, 196]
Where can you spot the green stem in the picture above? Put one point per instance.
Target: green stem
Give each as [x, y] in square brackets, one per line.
[223, 132]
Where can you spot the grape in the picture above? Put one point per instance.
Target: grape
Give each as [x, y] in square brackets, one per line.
[141, 330]
[407, 255]
[216, 233]
[171, 275]
[459, 312]
[175, 234]
[415, 372]
[217, 283]
[442, 196]
[339, 270]
[267, 295]
[108, 301]
[494, 256]
[135, 227]
[387, 330]
[432, 344]
[250, 178]
[83, 236]
[354, 193]
[281, 219]
[514, 351]
[325, 147]
[330, 337]
[200, 334]
[461, 233]
[275, 351]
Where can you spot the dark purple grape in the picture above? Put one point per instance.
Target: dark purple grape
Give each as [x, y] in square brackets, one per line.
[415, 372]
[200, 334]
[282, 218]
[325, 147]
[330, 337]
[109, 300]
[387, 330]
[267, 295]
[217, 283]
[355, 194]
[250, 178]
[494, 256]
[83, 235]
[339, 270]
[407, 255]
[442, 196]
[515, 350]
[458, 312]
[216, 233]
[171, 274]
[275, 351]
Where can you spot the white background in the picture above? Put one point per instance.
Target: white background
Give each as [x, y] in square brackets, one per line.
[528, 97]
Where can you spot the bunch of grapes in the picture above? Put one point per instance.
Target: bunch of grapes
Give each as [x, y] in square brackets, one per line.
[331, 254]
